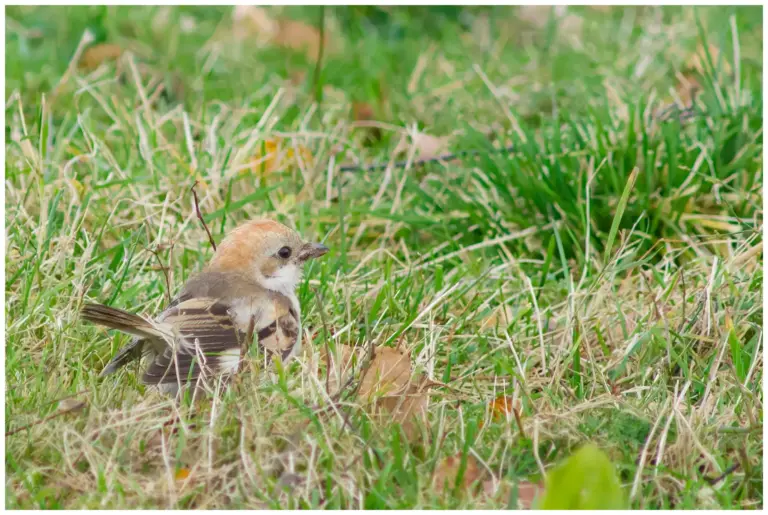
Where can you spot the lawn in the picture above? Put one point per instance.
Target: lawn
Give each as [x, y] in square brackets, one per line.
[552, 216]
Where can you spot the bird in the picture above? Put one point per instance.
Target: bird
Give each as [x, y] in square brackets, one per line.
[247, 289]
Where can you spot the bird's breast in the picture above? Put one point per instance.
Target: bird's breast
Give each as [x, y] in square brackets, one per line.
[274, 321]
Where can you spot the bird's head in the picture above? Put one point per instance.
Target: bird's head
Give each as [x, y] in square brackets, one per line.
[269, 251]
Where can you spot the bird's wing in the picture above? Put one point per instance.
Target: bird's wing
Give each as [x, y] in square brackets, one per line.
[280, 333]
[207, 342]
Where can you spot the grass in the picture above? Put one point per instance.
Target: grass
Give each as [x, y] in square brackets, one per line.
[606, 273]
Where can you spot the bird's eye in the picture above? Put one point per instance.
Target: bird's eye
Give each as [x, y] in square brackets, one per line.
[284, 252]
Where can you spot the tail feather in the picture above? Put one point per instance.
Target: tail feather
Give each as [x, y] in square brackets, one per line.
[118, 319]
[129, 353]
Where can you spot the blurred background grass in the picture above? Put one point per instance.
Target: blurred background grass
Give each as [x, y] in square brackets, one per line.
[586, 84]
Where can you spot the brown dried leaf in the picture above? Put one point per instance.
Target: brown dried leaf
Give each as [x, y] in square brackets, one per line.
[407, 409]
[389, 384]
[427, 146]
[97, 54]
[300, 36]
[390, 372]
[447, 472]
[527, 492]
[362, 111]
[252, 21]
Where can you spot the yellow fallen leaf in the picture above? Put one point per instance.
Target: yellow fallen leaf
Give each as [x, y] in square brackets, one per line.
[97, 54]
[277, 154]
[182, 474]
[446, 474]
[265, 159]
[504, 406]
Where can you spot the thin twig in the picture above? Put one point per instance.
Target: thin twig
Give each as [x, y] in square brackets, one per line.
[726, 473]
[200, 217]
[56, 414]
[164, 269]
[419, 162]
[87, 390]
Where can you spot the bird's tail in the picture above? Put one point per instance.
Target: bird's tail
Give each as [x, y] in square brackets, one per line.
[130, 352]
[121, 320]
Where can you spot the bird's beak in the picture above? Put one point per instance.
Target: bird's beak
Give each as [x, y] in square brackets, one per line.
[312, 250]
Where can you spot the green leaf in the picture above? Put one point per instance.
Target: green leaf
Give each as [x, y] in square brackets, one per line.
[736, 351]
[619, 213]
[585, 481]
